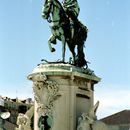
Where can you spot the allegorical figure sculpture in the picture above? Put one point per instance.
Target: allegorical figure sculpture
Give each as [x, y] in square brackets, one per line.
[67, 28]
[88, 121]
[24, 120]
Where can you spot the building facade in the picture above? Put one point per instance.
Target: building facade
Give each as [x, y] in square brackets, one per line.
[120, 120]
[14, 106]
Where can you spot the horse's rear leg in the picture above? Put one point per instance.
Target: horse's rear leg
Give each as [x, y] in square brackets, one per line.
[72, 49]
[51, 40]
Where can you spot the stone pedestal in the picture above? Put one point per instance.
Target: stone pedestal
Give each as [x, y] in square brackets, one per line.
[62, 93]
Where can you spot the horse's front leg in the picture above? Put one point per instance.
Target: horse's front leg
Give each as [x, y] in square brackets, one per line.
[52, 39]
[61, 35]
[63, 47]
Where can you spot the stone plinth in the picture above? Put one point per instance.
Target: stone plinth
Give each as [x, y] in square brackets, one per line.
[62, 93]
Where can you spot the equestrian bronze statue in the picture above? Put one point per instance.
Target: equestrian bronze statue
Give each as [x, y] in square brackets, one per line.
[67, 28]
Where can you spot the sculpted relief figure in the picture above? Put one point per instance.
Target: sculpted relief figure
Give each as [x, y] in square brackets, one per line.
[67, 28]
[24, 120]
[45, 122]
[88, 121]
[46, 92]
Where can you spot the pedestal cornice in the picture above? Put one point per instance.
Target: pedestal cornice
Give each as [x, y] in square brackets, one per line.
[60, 69]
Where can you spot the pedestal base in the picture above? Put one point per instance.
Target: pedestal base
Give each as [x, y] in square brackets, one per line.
[62, 93]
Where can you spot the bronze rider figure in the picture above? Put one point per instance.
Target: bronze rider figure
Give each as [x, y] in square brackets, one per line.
[72, 9]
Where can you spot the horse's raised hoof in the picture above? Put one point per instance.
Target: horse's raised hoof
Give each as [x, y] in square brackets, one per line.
[53, 50]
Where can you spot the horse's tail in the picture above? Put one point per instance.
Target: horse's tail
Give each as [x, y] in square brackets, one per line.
[80, 58]
[83, 31]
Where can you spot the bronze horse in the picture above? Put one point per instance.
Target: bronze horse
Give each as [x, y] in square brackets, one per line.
[55, 14]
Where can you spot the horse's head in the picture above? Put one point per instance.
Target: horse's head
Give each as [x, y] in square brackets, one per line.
[47, 9]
